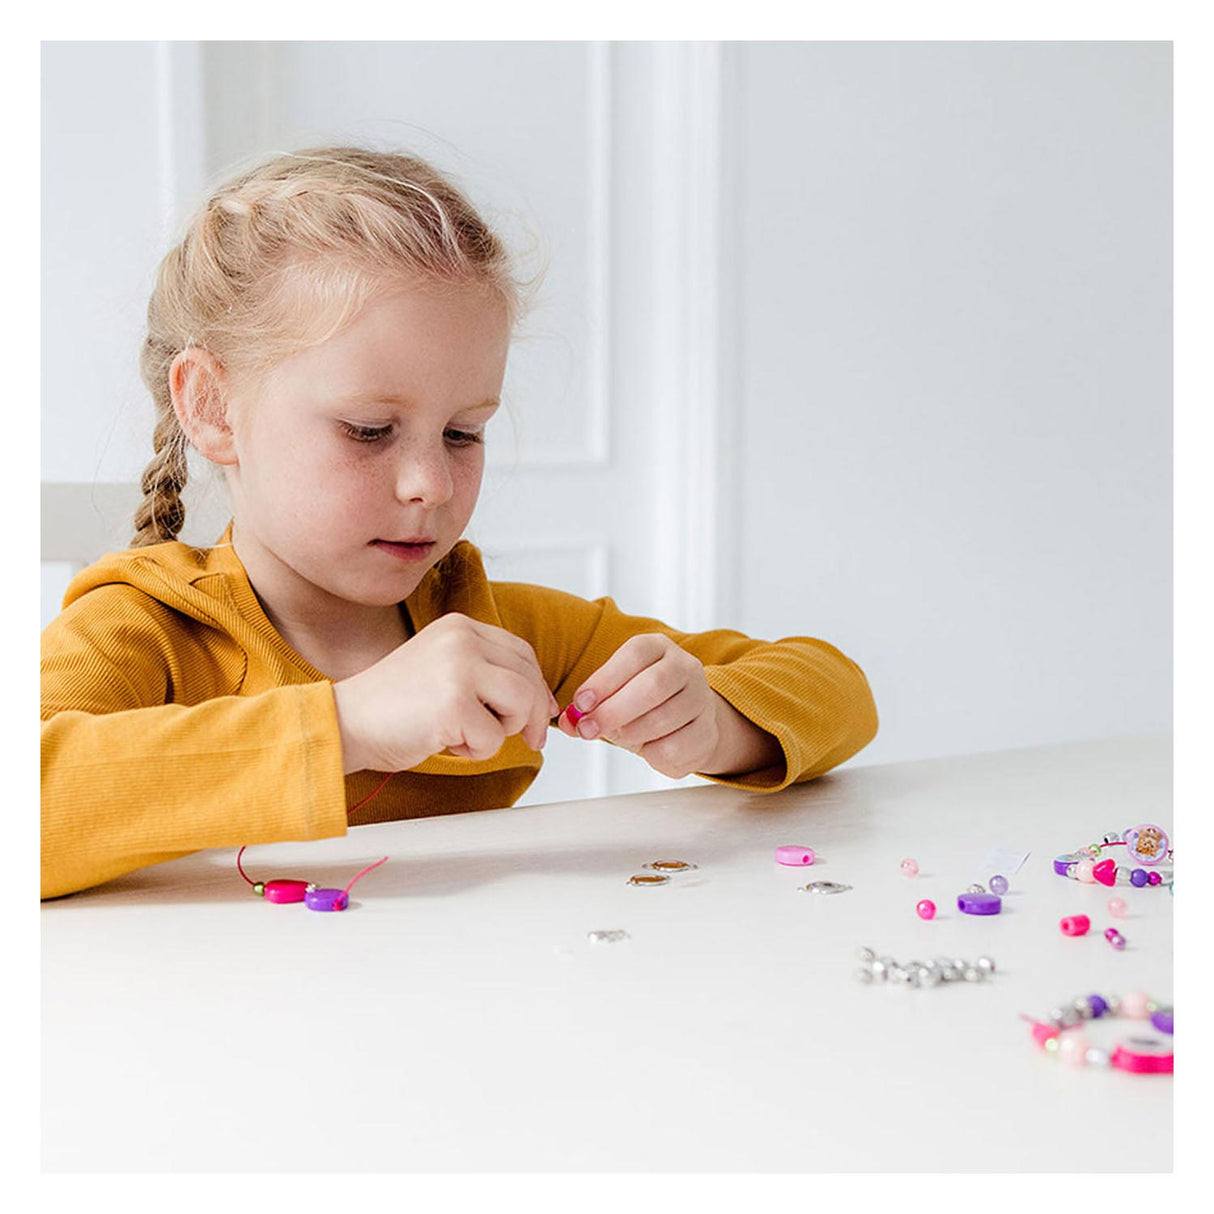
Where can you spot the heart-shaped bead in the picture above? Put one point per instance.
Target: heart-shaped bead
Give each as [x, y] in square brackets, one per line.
[1105, 872]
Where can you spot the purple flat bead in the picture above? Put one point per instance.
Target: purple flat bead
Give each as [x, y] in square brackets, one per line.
[1063, 862]
[326, 899]
[979, 904]
[1162, 1019]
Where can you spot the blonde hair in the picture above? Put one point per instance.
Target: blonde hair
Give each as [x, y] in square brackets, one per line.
[281, 258]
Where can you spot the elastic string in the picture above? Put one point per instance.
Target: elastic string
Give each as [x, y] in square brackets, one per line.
[364, 872]
[370, 795]
[242, 872]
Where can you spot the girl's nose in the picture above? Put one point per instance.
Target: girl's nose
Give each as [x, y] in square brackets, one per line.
[424, 475]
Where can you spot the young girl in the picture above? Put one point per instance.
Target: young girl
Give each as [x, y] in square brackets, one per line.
[332, 332]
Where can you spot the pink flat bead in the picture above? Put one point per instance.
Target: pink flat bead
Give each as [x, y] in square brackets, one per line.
[794, 855]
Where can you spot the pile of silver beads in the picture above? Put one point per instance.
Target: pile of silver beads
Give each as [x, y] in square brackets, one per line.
[921, 973]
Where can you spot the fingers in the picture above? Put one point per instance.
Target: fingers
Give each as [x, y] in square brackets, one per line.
[640, 694]
[512, 704]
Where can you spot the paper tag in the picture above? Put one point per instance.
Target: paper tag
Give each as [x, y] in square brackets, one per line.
[1005, 860]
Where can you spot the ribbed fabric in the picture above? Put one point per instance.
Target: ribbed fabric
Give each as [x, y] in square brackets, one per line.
[176, 718]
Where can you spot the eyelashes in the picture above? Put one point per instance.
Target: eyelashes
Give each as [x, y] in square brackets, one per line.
[375, 434]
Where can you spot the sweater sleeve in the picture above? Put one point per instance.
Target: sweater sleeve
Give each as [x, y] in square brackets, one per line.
[812, 698]
[132, 776]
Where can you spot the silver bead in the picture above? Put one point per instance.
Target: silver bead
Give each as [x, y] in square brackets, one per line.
[1114, 1006]
[901, 975]
[1121, 875]
[929, 975]
[973, 974]
[948, 971]
[1111, 836]
[879, 969]
[864, 974]
[866, 955]
[1096, 1057]
[1083, 1007]
[986, 965]
[976, 889]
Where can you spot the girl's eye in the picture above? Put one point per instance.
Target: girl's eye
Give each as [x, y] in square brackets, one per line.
[465, 438]
[366, 434]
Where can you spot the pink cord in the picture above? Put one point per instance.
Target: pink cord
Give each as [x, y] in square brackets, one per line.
[364, 872]
[369, 796]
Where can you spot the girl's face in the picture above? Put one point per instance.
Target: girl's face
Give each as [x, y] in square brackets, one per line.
[368, 440]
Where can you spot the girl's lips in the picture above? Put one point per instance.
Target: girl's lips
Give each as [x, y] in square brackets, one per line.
[405, 552]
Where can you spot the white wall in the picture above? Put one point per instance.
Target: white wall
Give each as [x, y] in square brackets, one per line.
[954, 311]
[864, 341]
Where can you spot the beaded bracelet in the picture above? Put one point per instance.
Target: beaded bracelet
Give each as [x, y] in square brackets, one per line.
[1138, 1055]
[1145, 843]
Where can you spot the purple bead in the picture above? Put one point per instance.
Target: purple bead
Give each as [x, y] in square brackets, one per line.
[979, 904]
[998, 884]
[326, 900]
[1098, 1005]
[1139, 877]
[1162, 1019]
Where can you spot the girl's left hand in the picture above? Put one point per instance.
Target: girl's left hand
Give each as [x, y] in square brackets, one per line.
[651, 697]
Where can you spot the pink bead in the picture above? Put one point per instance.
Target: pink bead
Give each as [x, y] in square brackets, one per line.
[1073, 1048]
[1134, 1005]
[909, 867]
[926, 909]
[1075, 925]
[1117, 907]
[1083, 871]
[794, 855]
[1153, 878]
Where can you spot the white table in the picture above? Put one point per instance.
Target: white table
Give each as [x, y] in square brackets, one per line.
[457, 1018]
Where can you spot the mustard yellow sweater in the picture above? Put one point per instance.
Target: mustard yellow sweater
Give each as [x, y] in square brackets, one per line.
[176, 718]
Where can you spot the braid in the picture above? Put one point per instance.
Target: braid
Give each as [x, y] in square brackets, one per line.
[161, 514]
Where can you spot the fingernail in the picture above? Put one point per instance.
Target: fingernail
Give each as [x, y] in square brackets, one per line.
[588, 729]
[584, 700]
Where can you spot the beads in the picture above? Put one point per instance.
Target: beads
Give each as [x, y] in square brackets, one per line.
[1147, 845]
[792, 855]
[1115, 938]
[909, 867]
[873, 969]
[926, 909]
[998, 885]
[975, 889]
[1134, 1005]
[1075, 925]
[1117, 908]
[1063, 1034]
[979, 904]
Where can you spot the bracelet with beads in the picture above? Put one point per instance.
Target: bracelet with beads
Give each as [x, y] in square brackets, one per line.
[1137, 1055]
[1146, 843]
[920, 973]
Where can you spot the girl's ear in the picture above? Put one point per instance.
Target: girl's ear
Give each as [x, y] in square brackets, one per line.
[198, 383]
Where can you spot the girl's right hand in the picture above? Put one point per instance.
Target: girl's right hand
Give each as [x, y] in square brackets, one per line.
[458, 685]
